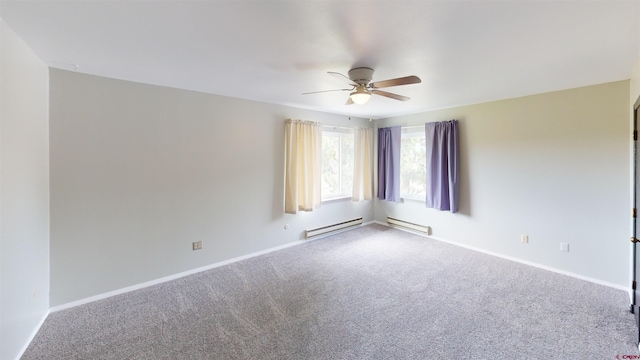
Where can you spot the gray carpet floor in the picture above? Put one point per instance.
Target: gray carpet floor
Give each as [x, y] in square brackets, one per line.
[369, 293]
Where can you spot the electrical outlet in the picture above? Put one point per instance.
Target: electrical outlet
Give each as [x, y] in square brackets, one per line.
[564, 247]
[197, 245]
[524, 238]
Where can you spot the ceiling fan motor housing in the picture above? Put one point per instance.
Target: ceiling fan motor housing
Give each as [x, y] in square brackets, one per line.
[362, 88]
[361, 75]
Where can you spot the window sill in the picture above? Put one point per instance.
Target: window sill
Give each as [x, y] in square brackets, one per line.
[419, 198]
[335, 199]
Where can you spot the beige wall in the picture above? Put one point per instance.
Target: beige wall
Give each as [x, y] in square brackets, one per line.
[635, 73]
[24, 193]
[554, 166]
[635, 82]
[139, 172]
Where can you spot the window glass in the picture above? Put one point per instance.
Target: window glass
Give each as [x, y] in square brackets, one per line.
[337, 162]
[413, 171]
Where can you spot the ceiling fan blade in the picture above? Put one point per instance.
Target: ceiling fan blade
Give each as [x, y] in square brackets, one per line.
[390, 95]
[349, 102]
[324, 91]
[342, 77]
[395, 82]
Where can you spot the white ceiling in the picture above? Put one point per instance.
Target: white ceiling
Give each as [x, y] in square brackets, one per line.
[272, 51]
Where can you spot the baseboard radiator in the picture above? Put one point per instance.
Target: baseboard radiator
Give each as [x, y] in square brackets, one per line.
[405, 224]
[330, 228]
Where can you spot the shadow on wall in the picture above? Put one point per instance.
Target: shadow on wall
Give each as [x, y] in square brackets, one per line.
[277, 208]
[464, 195]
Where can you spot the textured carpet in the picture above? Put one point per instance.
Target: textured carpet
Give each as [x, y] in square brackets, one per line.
[370, 293]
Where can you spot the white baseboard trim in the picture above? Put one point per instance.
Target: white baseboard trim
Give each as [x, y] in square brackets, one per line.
[191, 272]
[170, 277]
[266, 251]
[33, 334]
[511, 258]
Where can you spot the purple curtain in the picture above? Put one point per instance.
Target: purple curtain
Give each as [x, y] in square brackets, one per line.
[442, 165]
[389, 163]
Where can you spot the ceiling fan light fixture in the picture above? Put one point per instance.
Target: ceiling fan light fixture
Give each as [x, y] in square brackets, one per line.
[361, 95]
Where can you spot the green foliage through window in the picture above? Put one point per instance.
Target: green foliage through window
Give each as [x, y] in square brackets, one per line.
[413, 172]
[337, 163]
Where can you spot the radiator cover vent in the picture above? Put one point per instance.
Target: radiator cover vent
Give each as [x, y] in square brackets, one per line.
[331, 228]
[408, 225]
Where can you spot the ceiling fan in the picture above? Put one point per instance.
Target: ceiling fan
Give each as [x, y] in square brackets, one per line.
[362, 87]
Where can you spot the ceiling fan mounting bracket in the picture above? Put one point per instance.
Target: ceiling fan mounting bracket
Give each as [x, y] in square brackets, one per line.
[361, 75]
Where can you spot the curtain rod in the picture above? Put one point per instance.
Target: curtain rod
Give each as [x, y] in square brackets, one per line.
[338, 127]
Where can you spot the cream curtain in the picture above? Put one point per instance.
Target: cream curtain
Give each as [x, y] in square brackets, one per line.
[363, 165]
[303, 153]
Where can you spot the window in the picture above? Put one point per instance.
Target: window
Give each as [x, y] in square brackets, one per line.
[337, 162]
[413, 172]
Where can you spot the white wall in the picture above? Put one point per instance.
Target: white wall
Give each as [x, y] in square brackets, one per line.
[24, 193]
[553, 166]
[139, 172]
